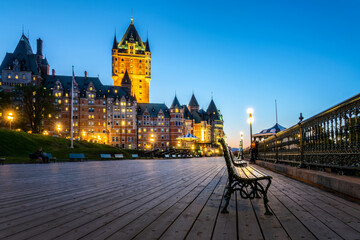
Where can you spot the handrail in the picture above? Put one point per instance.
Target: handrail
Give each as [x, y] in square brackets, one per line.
[328, 140]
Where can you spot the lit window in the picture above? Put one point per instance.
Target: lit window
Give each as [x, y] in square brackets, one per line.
[9, 75]
[16, 77]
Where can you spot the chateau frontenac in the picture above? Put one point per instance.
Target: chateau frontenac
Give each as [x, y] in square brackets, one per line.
[119, 114]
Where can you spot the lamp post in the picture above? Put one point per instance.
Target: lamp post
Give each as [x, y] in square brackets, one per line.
[152, 141]
[10, 117]
[58, 127]
[250, 111]
[241, 145]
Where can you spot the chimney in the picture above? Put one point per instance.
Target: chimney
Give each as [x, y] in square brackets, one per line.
[85, 75]
[53, 73]
[39, 49]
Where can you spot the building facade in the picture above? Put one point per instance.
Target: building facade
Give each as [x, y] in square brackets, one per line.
[119, 115]
[132, 55]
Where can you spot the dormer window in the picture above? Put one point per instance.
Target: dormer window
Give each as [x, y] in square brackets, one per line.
[91, 88]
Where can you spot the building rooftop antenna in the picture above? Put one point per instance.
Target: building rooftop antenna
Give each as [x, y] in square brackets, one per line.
[132, 18]
[276, 111]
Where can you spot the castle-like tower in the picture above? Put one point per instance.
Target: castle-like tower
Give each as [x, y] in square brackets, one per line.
[134, 56]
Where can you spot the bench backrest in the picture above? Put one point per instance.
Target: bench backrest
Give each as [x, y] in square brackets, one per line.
[76, 155]
[49, 155]
[105, 155]
[119, 155]
[167, 155]
[229, 163]
[134, 155]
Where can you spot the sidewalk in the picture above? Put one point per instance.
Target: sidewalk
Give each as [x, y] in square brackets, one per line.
[346, 185]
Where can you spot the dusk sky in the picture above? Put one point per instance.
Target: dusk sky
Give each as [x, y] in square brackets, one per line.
[247, 53]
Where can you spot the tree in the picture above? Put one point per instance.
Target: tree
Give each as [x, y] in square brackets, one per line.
[37, 103]
[5, 106]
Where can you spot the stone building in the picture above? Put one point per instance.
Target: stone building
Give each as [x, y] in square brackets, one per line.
[23, 67]
[133, 55]
[119, 114]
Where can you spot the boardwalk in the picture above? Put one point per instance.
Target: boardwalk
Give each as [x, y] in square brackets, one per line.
[161, 199]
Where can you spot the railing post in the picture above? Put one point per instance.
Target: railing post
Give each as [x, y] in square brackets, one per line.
[301, 142]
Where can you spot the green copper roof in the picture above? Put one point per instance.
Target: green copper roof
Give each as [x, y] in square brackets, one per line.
[131, 35]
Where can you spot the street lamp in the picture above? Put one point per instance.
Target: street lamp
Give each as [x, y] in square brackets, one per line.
[152, 141]
[10, 117]
[58, 127]
[241, 145]
[250, 111]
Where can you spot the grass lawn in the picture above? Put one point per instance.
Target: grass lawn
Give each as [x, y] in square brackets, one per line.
[16, 146]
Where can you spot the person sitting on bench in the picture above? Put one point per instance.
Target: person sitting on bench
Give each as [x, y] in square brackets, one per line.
[41, 156]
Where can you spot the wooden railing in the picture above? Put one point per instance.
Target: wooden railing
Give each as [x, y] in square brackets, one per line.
[328, 140]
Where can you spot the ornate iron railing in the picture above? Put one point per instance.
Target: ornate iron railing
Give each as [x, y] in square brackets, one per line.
[330, 139]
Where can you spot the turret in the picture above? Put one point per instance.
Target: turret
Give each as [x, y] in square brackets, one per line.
[193, 104]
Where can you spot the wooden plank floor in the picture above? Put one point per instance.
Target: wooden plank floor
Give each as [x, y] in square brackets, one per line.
[161, 199]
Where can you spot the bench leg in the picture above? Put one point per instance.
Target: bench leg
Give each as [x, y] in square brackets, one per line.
[266, 200]
[227, 197]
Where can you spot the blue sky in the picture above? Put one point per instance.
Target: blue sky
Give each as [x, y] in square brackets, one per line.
[305, 54]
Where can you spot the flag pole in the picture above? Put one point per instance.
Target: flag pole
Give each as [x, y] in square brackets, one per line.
[72, 109]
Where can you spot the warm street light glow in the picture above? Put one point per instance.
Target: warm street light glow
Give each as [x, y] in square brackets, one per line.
[250, 111]
[250, 119]
[58, 127]
[241, 135]
[10, 117]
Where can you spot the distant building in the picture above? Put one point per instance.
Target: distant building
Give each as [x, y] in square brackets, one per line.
[23, 67]
[266, 133]
[118, 115]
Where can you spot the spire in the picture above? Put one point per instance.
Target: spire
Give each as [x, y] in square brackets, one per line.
[175, 103]
[126, 81]
[147, 48]
[115, 44]
[131, 34]
[213, 111]
[212, 107]
[193, 102]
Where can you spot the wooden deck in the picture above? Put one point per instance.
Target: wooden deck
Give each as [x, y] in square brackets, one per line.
[161, 199]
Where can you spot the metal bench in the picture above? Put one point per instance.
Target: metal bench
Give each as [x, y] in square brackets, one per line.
[246, 180]
[50, 157]
[119, 155]
[105, 156]
[35, 157]
[134, 155]
[77, 156]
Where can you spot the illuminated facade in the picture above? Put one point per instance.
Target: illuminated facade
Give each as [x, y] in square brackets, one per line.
[133, 55]
[119, 115]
